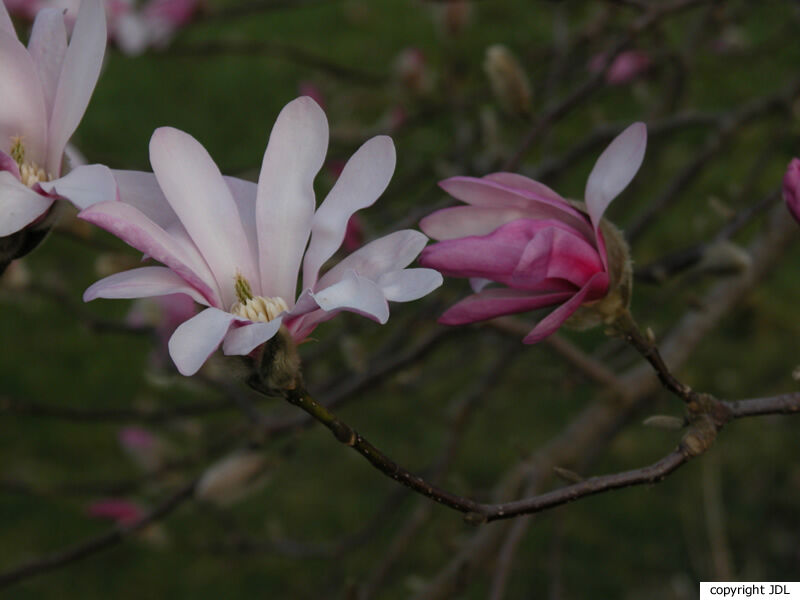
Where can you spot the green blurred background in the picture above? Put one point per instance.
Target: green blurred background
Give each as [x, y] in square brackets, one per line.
[734, 513]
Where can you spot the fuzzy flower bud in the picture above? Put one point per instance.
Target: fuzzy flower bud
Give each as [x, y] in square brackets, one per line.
[232, 478]
[508, 80]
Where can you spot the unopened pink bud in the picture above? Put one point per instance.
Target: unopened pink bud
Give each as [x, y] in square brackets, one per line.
[122, 512]
[791, 188]
[626, 67]
[353, 235]
[311, 89]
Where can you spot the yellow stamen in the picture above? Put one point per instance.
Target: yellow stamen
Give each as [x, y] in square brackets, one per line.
[255, 308]
[29, 172]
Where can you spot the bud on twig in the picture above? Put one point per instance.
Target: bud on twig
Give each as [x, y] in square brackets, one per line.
[232, 478]
[508, 80]
[664, 422]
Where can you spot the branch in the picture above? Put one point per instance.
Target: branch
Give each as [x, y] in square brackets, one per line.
[94, 545]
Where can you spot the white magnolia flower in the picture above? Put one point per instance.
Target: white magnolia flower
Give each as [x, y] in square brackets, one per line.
[238, 247]
[45, 90]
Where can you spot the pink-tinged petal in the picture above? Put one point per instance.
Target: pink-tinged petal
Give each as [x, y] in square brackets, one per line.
[5, 21]
[305, 304]
[134, 228]
[22, 109]
[409, 284]
[364, 178]
[197, 339]
[244, 193]
[142, 283]
[19, 205]
[556, 254]
[141, 190]
[47, 46]
[463, 221]
[495, 256]
[198, 194]
[9, 165]
[79, 73]
[355, 294]
[791, 188]
[171, 12]
[520, 182]
[594, 289]
[389, 253]
[84, 186]
[489, 193]
[243, 340]
[614, 170]
[497, 302]
[285, 204]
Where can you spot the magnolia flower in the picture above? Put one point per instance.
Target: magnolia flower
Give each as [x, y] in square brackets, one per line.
[626, 67]
[237, 247]
[541, 249]
[791, 188]
[45, 91]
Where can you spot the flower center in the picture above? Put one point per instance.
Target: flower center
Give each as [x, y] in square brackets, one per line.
[255, 308]
[29, 172]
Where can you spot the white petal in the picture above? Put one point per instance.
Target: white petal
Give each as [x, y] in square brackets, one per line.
[409, 284]
[79, 73]
[364, 178]
[19, 205]
[197, 339]
[195, 189]
[521, 182]
[5, 21]
[244, 194]
[243, 340]
[389, 253]
[141, 189]
[355, 294]
[22, 109]
[84, 186]
[285, 204]
[47, 46]
[142, 283]
[462, 221]
[614, 170]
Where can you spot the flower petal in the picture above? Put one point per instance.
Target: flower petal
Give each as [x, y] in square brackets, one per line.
[389, 253]
[134, 228]
[285, 204]
[79, 73]
[197, 339]
[520, 182]
[355, 294]
[594, 288]
[9, 164]
[195, 189]
[141, 190]
[409, 284]
[19, 205]
[490, 193]
[5, 21]
[243, 340]
[84, 186]
[22, 110]
[47, 46]
[497, 302]
[363, 179]
[142, 283]
[463, 221]
[614, 170]
[556, 254]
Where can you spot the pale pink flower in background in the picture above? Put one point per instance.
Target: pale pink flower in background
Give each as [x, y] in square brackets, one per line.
[520, 234]
[45, 90]
[142, 446]
[165, 314]
[791, 188]
[132, 26]
[412, 72]
[626, 67]
[237, 247]
[122, 512]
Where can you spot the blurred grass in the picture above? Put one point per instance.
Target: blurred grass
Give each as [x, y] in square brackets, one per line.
[639, 543]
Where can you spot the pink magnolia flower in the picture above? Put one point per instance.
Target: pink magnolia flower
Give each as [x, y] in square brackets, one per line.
[45, 90]
[626, 67]
[237, 247]
[791, 188]
[122, 512]
[540, 248]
